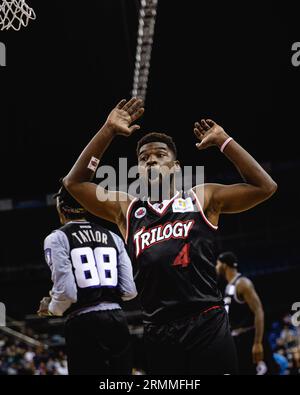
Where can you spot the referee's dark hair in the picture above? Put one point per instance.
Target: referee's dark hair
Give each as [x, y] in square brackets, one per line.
[70, 208]
[229, 258]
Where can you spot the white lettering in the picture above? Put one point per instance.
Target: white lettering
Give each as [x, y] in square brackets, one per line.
[136, 239]
[86, 232]
[98, 236]
[144, 239]
[116, 385]
[92, 235]
[84, 239]
[104, 238]
[296, 316]
[168, 230]
[296, 56]
[153, 232]
[159, 235]
[178, 231]
[187, 227]
[2, 55]
[75, 235]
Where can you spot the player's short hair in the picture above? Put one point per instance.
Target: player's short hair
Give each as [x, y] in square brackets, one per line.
[68, 205]
[229, 258]
[155, 137]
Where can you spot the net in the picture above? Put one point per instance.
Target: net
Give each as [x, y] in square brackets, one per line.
[14, 14]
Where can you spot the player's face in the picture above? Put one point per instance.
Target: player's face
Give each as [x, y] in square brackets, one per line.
[220, 268]
[155, 160]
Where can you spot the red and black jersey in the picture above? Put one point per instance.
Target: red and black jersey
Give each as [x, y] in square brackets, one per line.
[172, 248]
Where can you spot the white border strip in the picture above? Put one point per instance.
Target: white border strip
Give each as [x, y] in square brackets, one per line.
[215, 227]
[127, 218]
[166, 205]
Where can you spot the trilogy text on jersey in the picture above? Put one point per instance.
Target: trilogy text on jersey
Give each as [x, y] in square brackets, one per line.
[144, 239]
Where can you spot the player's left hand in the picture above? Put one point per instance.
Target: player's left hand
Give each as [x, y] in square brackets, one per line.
[209, 133]
[257, 353]
[44, 305]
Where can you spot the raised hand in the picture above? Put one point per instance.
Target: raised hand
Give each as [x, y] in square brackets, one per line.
[124, 115]
[209, 133]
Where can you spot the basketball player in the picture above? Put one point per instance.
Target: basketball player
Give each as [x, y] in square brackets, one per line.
[246, 317]
[91, 273]
[171, 241]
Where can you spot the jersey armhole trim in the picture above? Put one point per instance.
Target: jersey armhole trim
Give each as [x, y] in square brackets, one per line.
[235, 295]
[128, 218]
[215, 227]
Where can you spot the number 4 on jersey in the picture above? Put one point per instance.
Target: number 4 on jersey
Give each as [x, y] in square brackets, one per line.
[183, 258]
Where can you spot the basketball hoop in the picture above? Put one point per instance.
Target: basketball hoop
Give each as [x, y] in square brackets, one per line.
[14, 14]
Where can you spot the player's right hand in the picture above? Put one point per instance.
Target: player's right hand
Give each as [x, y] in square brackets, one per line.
[44, 305]
[257, 352]
[122, 117]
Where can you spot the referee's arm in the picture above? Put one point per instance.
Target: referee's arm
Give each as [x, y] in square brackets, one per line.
[126, 282]
[64, 291]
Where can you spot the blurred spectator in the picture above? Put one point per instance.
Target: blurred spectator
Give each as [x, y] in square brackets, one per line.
[285, 340]
[281, 360]
[17, 358]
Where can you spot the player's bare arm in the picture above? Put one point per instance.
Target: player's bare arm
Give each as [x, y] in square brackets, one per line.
[257, 187]
[246, 292]
[98, 201]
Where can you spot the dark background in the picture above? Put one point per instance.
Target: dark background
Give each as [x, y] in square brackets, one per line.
[229, 61]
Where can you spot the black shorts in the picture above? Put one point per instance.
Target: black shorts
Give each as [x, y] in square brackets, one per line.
[244, 343]
[98, 343]
[199, 345]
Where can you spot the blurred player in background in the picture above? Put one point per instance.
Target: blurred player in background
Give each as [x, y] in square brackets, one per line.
[246, 317]
[91, 274]
[171, 239]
